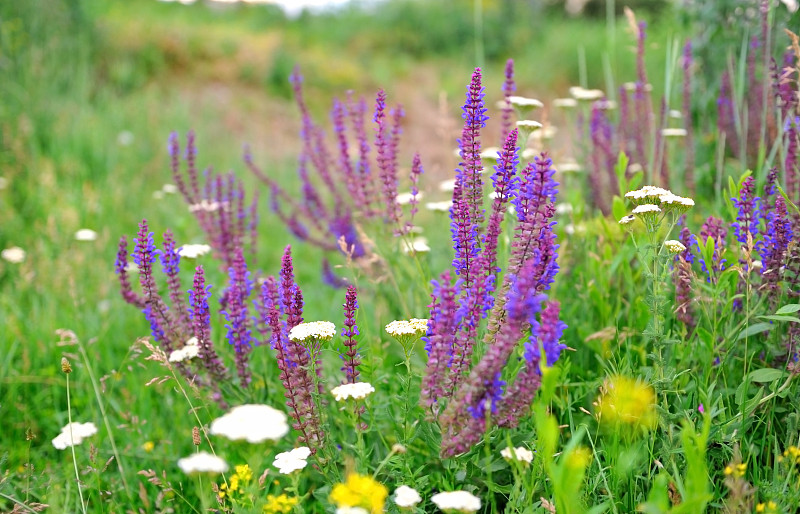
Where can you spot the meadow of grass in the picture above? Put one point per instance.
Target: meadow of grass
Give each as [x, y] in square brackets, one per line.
[645, 410]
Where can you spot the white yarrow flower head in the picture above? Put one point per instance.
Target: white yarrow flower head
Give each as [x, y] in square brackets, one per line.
[170, 189]
[415, 246]
[627, 220]
[521, 101]
[443, 206]
[457, 501]
[313, 330]
[586, 95]
[565, 103]
[202, 463]
[647, 208]
[673, 132]
[491, 154]
[193, 251]
[648, 194]
[526, 128]
[406, 497]
[414, 326]
[73, 434]
[291, 461]
[85, 234]
[357, 391]
[519, 453]
[252, 423]
[447, 186]
[14, 255]
[405, 198]
[188, 352]
[674, 246]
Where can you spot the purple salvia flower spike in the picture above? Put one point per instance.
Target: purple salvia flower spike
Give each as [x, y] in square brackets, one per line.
[416, 171]
[239, 333]
[776, 247]
[170, 261]
[201, 327]
[121, 268]
[350, 330]
[509, 88]
[468, 177]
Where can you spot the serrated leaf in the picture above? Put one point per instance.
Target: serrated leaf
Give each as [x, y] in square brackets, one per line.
[754, 329]
[788, 309]
[766, 375]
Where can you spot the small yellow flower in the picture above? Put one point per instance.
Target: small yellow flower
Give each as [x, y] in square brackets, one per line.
[579, 459]
[148, 446]
[360, 491]
[281, 504]
[244, 473]
[760, 507]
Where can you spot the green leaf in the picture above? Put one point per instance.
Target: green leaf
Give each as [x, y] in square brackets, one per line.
[788, 309]
[766, 375]
[618, 208]
[754, 329]
[777, 317]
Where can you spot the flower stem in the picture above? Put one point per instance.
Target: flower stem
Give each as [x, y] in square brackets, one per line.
[72, 447]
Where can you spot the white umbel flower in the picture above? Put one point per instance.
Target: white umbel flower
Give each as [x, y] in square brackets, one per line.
[357, 391]
[416, 245]
[673, 132]
[251, 422]
[405, 198]
[73, 434]
[193, 251]
[519, 453]
[443, 206]
[646, 209]
[85, 234]
[406, 497]
[586, 95]
[627, 219]
[188, 352]
[529, 125]
[14, 255]
[291, 461]
[319, 330]
[674, 246]
[460, 501]
[202, 462]
[521, 101]
[565, 103]
[414, 326]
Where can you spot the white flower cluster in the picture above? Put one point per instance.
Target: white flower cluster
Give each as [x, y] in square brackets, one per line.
[521, 101]
[405, 198]
[646, 208]
[356, 391]
[406, 497]
[85, 234]
[319, 330]
[460, 501]
[627, 219]
[416, 245]
[73, 434]
[14, 255]
[674, 246]
[654, 195]
[251, 422]
[411, 327]
[519, 453]
[193, 251]
[190, 351]
[586, 95]
[442, 206]
[291, 461]
[202, 462]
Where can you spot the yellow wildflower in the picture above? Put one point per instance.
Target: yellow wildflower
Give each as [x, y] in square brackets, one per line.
[281, 504]
[627, 402]
[148, 446]
[360, 491]
[244, 473]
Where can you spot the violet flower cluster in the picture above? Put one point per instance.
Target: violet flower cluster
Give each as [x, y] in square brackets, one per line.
[217, 202]
[256, 318]
[344, 187]
[462, 395]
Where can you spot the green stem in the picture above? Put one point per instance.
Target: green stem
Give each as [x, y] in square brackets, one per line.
[72, 447]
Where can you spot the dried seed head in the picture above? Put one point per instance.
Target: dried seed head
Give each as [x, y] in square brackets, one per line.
[29, 435]
[65, 365]
[196, 436]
